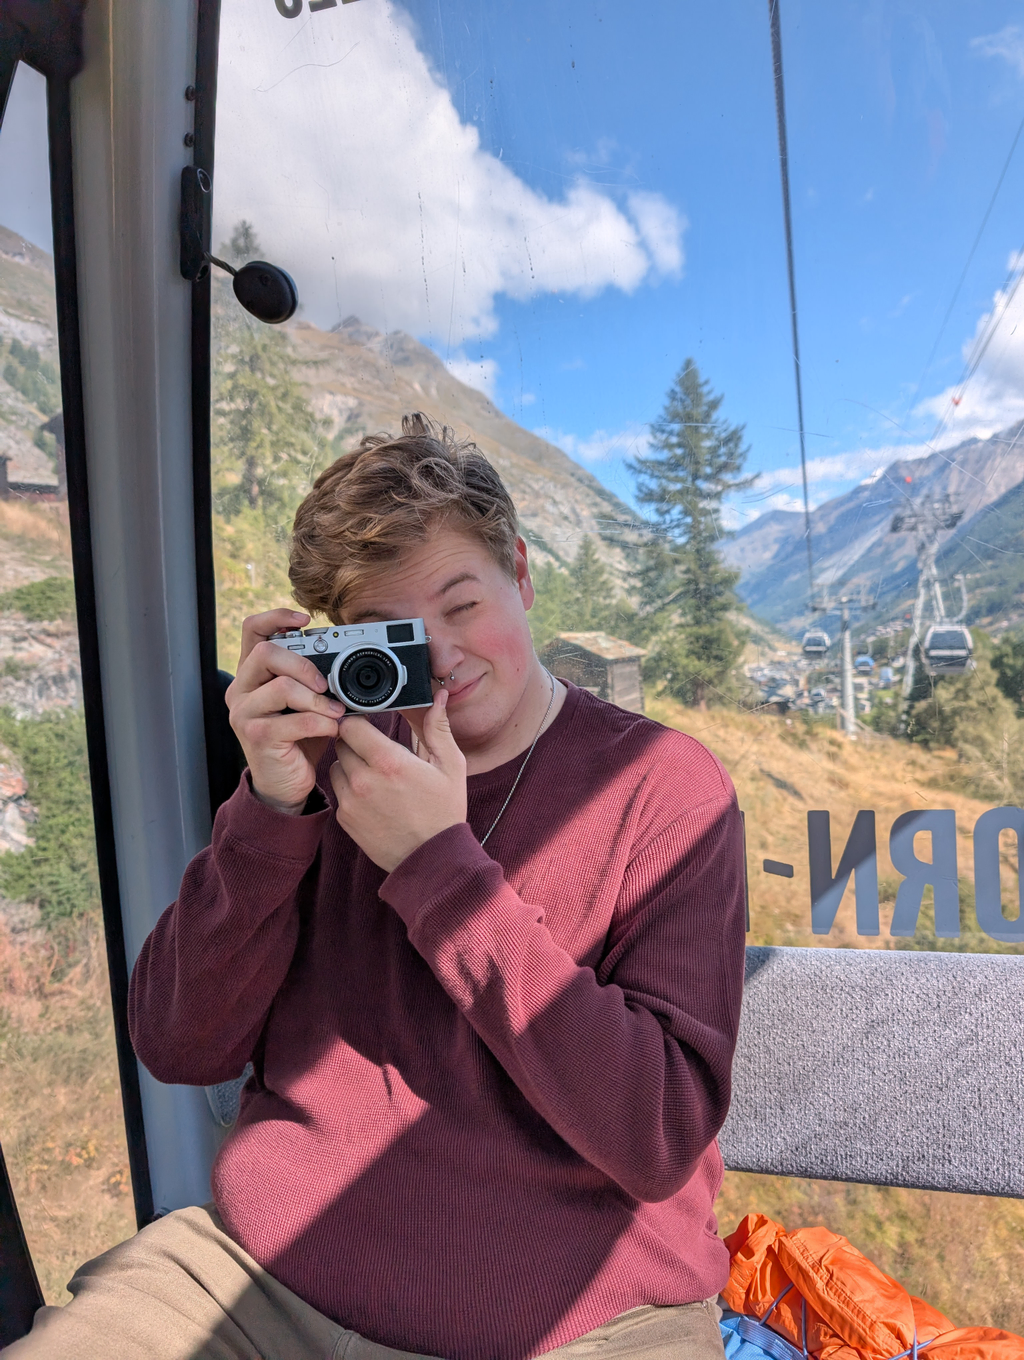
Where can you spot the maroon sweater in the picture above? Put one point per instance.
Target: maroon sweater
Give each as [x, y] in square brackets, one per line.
[487, 1085]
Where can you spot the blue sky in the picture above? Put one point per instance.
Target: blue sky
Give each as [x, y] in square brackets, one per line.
[566, 199]
[900, 118]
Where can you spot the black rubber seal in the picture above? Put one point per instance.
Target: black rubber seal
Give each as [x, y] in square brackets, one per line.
[20, 1294]
[223, 753]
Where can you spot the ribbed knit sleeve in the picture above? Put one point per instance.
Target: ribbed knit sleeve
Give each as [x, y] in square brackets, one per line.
[629, 1061]
[208, 973]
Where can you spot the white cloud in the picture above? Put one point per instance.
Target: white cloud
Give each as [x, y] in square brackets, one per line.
[602, 445]
[838, 468]
[827, 476]
[479, 373]
[993, 399]
[342, 146]
[661, 228]
[1008, 43]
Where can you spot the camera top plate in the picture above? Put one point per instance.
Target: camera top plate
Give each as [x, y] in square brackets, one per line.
[393, 669]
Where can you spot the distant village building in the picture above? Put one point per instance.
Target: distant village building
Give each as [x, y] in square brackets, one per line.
[32, 491]
[607, 666]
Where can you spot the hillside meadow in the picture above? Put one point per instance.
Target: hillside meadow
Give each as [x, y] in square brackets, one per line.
[784, 768]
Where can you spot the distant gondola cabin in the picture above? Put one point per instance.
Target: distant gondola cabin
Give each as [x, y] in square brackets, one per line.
[607, 666]
[948, 649]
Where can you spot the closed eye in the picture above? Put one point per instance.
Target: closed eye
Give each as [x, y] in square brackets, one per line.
[462, 608]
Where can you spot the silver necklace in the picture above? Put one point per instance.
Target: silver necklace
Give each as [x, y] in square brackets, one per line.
[526, 762]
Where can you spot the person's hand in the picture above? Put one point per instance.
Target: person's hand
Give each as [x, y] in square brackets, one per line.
[391, 801]
[282, 749]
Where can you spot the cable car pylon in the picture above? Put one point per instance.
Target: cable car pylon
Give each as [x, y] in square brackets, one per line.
[946, 648]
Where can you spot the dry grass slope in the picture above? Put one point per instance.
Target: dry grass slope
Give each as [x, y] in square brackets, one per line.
[60, 1103]
[35, 542]
[782, 771]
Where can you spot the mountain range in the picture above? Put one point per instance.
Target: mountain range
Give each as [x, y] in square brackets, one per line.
[28, 314]
[854, 548]
[360, 380]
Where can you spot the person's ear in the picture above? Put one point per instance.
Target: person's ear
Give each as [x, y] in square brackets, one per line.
[524, 584]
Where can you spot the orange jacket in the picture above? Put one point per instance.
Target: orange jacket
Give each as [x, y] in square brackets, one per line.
[824, 1297]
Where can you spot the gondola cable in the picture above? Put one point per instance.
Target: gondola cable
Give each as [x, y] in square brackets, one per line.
[982, 342]
[967, 265]
[780, 118]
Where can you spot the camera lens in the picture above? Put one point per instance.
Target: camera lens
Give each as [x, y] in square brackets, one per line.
[368, 678]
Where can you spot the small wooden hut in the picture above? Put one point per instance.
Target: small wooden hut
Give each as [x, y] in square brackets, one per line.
[607, 666]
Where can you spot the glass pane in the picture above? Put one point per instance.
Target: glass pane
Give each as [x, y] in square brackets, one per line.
[513, 242]
[558, 228]
[60, 1106]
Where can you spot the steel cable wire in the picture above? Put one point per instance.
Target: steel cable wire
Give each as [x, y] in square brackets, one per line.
[780, 118]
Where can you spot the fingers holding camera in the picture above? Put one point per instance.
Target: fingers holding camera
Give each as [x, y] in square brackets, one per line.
[282, 749]
[435, 742]
[389, 801]
[258, 627]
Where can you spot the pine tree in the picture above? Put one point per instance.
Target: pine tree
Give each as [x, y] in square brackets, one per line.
[583, 599]
[267, 440]
[1008, 663]
[696, 459]
[656, 577]
[547, 617]
[971, 714]
[590, 605]
[245, 243]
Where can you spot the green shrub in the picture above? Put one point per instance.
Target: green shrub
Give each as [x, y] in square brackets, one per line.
[52, 598]
[45, 441]
[58, 872]
[36, 379]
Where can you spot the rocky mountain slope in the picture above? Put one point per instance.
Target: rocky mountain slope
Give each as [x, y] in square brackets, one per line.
[28, 317]
[853, 545]
[362, 381]
[359, 380]
[989, 550]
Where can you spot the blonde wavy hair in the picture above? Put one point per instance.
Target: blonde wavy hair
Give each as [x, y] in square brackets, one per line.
[387, 495]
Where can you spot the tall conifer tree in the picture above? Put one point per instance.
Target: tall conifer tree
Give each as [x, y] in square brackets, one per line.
[589, 607]
[696, 458]
[267, 442]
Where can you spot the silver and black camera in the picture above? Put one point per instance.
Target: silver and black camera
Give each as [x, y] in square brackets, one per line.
[369, 666]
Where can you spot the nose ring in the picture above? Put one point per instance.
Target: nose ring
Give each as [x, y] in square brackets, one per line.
[451, 676]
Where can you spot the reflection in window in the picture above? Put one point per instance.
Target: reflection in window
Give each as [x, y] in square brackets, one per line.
[60, 1108]
[522, 221]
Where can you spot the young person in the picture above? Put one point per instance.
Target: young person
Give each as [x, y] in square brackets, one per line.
[486, 960]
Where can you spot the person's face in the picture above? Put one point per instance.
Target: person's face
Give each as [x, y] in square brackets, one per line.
[475, 615]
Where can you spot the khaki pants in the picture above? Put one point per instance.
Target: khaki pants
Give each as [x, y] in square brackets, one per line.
[182, 1289]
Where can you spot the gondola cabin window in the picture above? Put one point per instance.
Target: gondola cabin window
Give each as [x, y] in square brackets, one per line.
[546, 239]
[731, 303]
[61, 1125]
